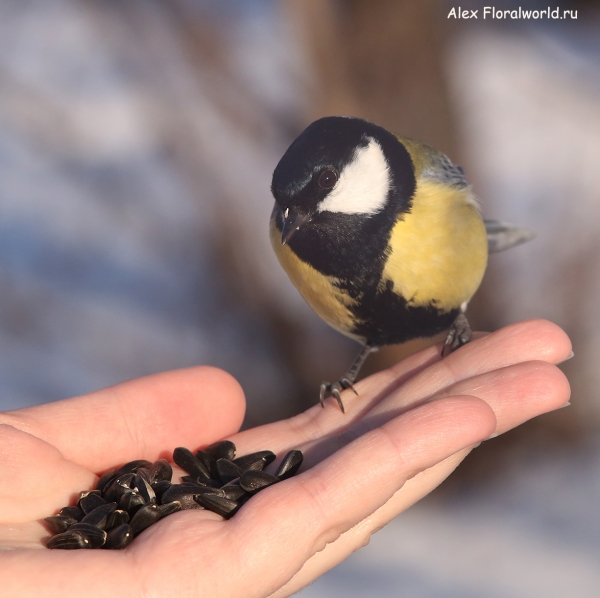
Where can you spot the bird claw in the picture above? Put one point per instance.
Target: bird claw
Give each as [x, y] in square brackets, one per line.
[334, 390]
[458, 335]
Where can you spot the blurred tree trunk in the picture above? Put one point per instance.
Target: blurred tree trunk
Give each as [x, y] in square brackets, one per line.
[382, 61]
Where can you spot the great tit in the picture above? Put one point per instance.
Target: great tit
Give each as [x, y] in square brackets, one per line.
[381, 235]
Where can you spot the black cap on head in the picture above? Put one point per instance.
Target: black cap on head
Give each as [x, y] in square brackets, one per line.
[329, 144]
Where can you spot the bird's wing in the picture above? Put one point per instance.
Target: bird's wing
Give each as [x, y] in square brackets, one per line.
[439, 168]
[503, 235]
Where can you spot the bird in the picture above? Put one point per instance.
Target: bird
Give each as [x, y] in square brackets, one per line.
[381, 235]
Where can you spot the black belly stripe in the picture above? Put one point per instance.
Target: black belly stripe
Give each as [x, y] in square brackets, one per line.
[386, 318]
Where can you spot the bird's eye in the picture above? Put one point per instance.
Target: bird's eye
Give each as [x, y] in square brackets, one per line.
[327, 179]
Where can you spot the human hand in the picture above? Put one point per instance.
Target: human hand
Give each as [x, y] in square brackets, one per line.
[404, 434]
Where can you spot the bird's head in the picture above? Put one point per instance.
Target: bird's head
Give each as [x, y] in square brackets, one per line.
[340, 168]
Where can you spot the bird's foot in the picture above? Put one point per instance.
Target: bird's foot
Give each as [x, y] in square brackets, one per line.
[458, 335]
[333, 390]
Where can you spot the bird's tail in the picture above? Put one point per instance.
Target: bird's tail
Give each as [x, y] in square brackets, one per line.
[503, 235]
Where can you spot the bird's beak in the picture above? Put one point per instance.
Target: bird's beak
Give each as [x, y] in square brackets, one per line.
[292, 221]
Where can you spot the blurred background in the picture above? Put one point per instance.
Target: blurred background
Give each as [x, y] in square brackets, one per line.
[137, 143]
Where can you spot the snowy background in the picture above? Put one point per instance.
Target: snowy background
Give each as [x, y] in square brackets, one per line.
[137, 142]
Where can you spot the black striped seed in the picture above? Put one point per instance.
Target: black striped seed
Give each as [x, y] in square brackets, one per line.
[93, 534]
[69, 541]
[74, 512]
[256, 461]
[224, 449]
[119, 537]
[220, 505]
[253, 481]
[145, 517]
[132, 466]
[59, 523]
[228, 470]
[90, 502]
[138, 494]
[119, 517]
[190, 463]
[160, 471]
[100, 515]
[105, 479]
[290, 465]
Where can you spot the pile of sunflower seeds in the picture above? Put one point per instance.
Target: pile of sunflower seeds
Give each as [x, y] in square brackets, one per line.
[130, 499]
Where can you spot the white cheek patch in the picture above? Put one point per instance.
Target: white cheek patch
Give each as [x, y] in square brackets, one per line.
[363, 185]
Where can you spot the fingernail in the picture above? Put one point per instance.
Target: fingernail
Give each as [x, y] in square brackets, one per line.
[494, 435]
[570, 356]
[565, 405]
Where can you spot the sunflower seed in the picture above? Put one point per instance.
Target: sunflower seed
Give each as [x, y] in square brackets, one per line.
[74, 512]
[144, 488]
[132, 466]
[290, 465]
[187, 488]
[169, 508]
[188, 462]
[233, 490]
[208, 463]
[85, 493]
[99, 516]
[144, 473]
[59, 523]
[255, 461]
[224, 449]
[119, 537]
[144, 518]
[253, 481]
[184, 493]
[118, 487]
[207, 483]
[160, 488]
[105, 479]
[69, 541]
[119, 517]
[95, 535]
[187, 502]
[131, 501]
[227, 470]
[89, 502]
[160, 471]
[218, 504]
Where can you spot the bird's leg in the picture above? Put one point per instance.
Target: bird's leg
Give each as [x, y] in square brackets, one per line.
[347, 380]
[458, 335]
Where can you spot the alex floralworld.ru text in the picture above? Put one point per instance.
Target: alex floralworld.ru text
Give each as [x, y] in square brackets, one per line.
[491, 12]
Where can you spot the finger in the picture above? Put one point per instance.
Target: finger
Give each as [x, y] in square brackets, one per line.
[143, 418]
[323, 500]
[421, 375]
[516, 394]
[358, 536]
[532, 340]
[36, 477]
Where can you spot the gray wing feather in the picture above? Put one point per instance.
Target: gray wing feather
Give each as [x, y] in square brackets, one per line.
[442, 170]
[503, 235]
[500, 235]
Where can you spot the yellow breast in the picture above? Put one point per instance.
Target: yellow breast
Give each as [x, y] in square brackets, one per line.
[318, 290]
[439, 249]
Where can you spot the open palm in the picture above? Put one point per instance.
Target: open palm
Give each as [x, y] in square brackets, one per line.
[407, 430]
